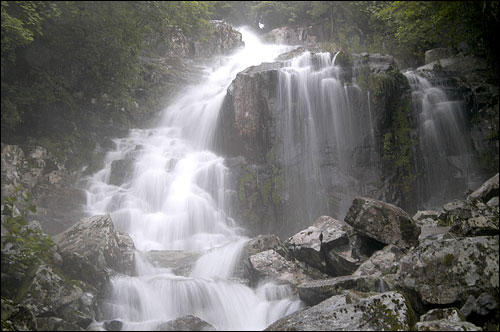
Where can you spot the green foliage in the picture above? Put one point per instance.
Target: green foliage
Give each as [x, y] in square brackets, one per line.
[23, 247]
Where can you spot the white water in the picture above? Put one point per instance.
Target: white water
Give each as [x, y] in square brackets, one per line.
[175, 198]
[449, 158]
[321, 123]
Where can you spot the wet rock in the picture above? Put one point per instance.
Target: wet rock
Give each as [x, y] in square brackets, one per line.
[438, 53]
[96, 239]
[386, 311]
[186, 323]
[120, 171]
[113, 325]
[245, 123]
[382, 262]
[262, 243]
[378, 63]
[449, 271]
[383, 222]
[270, 265]
[314, 292]
[180, 262]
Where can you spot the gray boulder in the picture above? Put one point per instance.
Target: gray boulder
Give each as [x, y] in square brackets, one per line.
[382, 262]
[290, 36]
[96, 239]
[383, 222]
[314, 292]
[381, 312]
[180, 262]
[446, 325]
[314, 244]
[448, 271]
[427, 218]
[50, 294]
[438, 53]
[186, 323]
[270, 265]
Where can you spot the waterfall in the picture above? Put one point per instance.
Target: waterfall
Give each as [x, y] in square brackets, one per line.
[449, 160]
[173, 195]
[324, 125]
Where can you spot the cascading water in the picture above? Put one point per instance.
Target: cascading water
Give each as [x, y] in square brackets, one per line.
[449, 159]
[175, 198]
[323, 125]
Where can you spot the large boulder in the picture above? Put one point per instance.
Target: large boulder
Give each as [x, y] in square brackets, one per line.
[444, 272]
[313, 244]
[314, 292]
[271, 266]
[186, 323]
[381, 312]
[438, 53]
[448, 319]
[179, 262]
[383, 222]
[382, 262]
[96, 239]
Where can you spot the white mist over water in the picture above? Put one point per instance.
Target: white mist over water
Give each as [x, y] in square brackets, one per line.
[174, 197]
[449, 158]
[322, 122]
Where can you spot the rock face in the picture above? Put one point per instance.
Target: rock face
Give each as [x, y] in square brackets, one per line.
[246, 119]
[222, 40]
[50, 184]
[382, 262]
[96, 239]
[383, 222]
[314, 292]
[290, 36]
[386, 311]
[443, 272]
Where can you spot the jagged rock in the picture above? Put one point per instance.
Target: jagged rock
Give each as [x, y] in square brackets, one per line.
[290, 36]
[96, 239]
[186, 323]
[482, 306]
[180, 262]
[438, 53]
[378, 63]
[486, 191]
[262, 243]
[448, 319]
[245, 120]
[386, 311]
[56, 324]
[382, 262]
[446, 325]
[313, 245]
[383, 222]
[449, 271]
[313, 292]
[427, 218]
[270, 265]
[50, 294]
[17, 317]
[449, 314]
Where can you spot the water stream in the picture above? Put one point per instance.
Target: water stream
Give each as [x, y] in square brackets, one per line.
[174, 196]
[450, 163]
